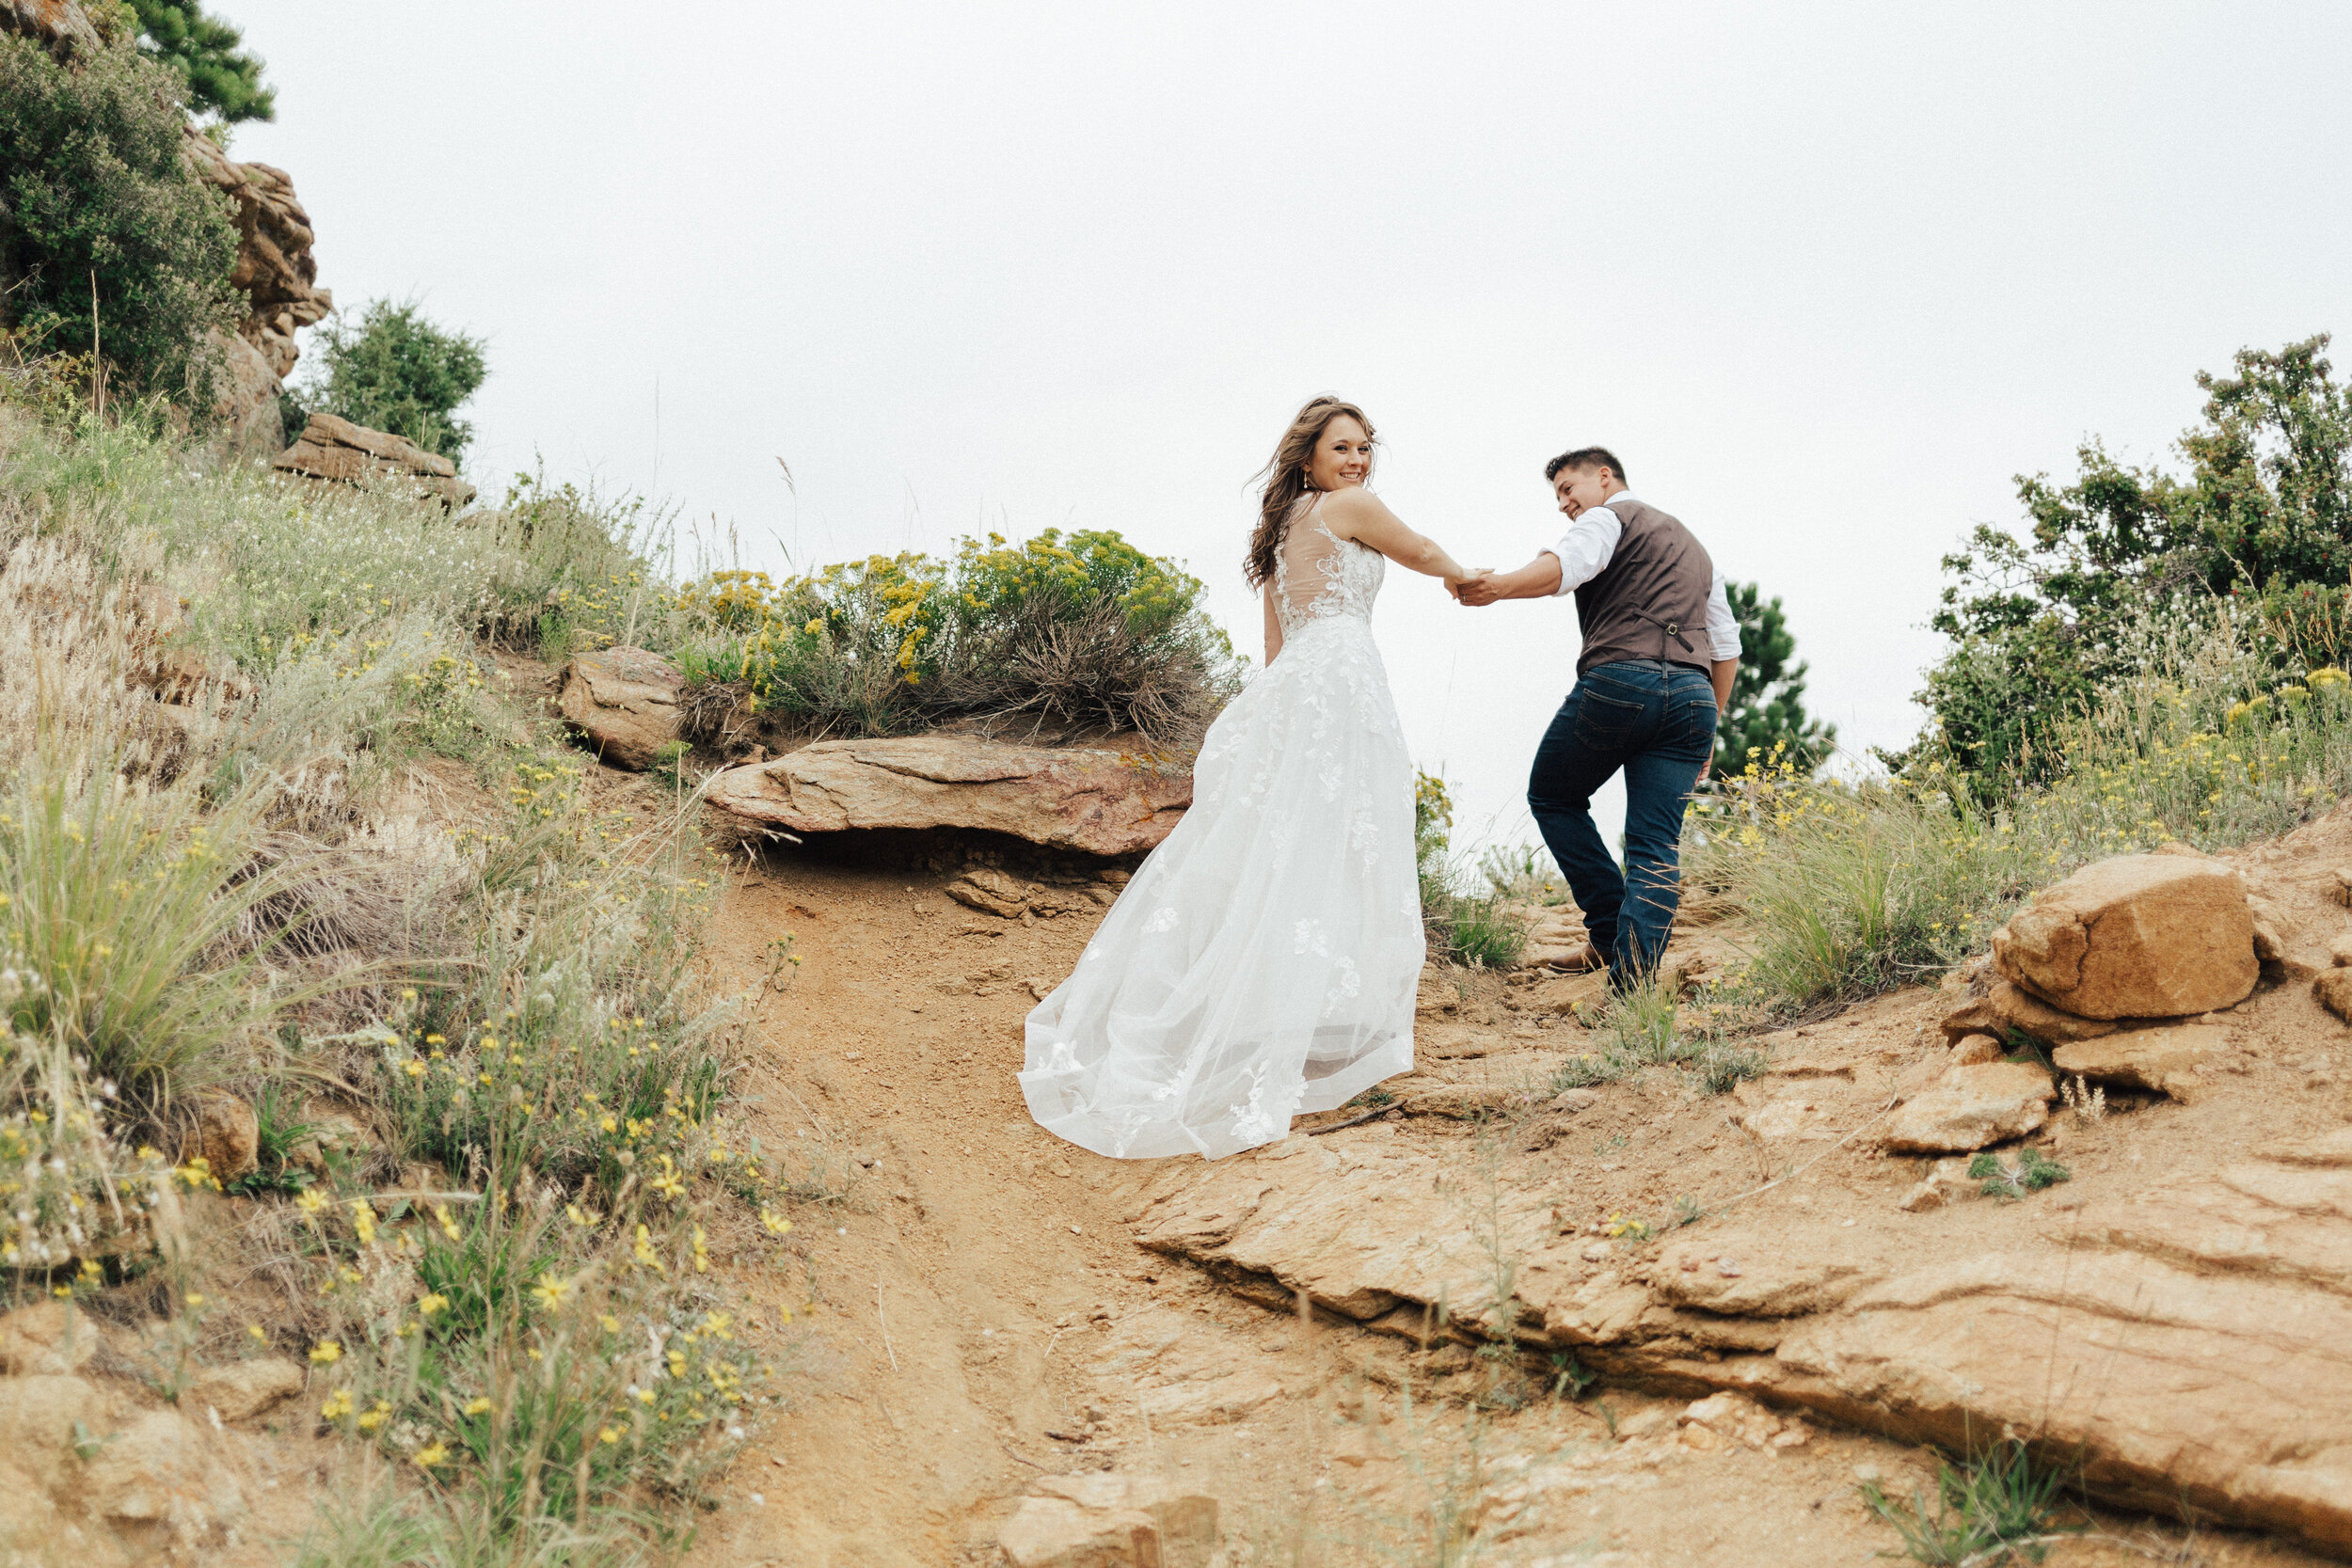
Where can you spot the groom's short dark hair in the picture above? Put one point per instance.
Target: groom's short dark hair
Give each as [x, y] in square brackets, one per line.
[1587, 457]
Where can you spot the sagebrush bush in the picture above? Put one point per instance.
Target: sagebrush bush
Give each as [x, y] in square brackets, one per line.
[1086, 632]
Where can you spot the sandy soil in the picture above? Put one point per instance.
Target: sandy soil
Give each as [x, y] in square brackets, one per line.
[974, 1317]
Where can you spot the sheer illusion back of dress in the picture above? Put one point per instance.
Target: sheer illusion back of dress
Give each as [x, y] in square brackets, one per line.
[1264, 961]
[1318, 573]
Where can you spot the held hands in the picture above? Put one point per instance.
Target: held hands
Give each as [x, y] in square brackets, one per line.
[1475, 588]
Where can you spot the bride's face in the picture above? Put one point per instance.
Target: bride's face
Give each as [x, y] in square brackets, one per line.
[1342, 456]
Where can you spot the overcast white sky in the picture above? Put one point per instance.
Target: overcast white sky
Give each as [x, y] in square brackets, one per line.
[1826, 275]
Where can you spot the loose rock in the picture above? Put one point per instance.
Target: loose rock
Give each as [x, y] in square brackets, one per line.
[991, 891]
[244, 1387]
[48, 1338]
[624, 701]
[2138, 936]
[227, 1134]
[2142, 1059]
[1972, 1107]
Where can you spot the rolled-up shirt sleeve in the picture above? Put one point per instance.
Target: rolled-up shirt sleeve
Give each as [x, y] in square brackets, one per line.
[1586, 547]
[1723, 630]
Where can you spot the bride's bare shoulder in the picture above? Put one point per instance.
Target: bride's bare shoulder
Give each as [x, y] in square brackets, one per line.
[1345, 510]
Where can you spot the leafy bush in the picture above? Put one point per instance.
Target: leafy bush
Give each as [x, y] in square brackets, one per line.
[108, 242]
[1084, 631]
[2042, 623]
[392, 369]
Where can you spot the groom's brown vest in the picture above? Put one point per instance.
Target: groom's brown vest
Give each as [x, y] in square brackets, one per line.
[1650, 601]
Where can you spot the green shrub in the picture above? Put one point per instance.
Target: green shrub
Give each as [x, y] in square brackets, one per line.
[95, 196]
[392, 369]
[1993, 1509]
[1084, 631]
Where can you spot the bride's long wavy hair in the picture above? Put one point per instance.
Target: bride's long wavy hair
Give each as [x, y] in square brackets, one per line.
[1285, 476]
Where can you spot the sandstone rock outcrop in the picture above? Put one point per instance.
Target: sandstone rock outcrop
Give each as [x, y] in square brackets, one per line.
[2138, 936]
[624, 702]
[336, 451]
[278, 277]
[59, 24]
[1093, 799]
[2181, 1349]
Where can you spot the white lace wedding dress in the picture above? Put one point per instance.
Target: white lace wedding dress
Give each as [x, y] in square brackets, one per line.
[1264, 958]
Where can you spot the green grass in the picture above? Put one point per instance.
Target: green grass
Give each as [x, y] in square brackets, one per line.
[542, 1350]
[1649, 1025]
[1994, 1509]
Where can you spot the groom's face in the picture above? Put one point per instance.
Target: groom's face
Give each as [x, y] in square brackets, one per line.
[1580, 489]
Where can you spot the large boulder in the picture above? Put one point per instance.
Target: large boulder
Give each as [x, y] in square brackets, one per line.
[624, 701]
[2138, 936]
[336, 451]
[1093, 799]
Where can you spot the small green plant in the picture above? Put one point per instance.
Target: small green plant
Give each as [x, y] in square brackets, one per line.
[1570, 1377]
[1478, 932]
[1994, 1509]
[668, 768]
[784, 965]
[2034, 1171]
[1626, 1228]
[277, 1114]
[1687, 1212]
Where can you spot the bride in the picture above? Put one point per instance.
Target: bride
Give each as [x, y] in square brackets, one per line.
[1264, 959]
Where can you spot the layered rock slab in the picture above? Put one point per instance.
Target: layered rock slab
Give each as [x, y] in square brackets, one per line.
[1094, 799]
[2189, 1349]
[334, 450]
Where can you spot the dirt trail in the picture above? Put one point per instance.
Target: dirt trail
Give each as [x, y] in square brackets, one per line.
[975, 1316]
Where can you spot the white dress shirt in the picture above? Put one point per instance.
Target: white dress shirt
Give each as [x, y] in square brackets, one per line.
[1591, 543]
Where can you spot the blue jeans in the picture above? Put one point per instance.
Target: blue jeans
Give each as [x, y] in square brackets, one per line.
[1656, 721]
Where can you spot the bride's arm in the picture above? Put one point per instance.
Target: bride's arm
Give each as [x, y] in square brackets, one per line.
[1273, 621]
[1356, 513]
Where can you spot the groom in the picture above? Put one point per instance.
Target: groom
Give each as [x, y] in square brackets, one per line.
[1660, 648]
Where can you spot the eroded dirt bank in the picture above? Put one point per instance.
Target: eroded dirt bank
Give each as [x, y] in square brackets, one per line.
[980, 1319]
